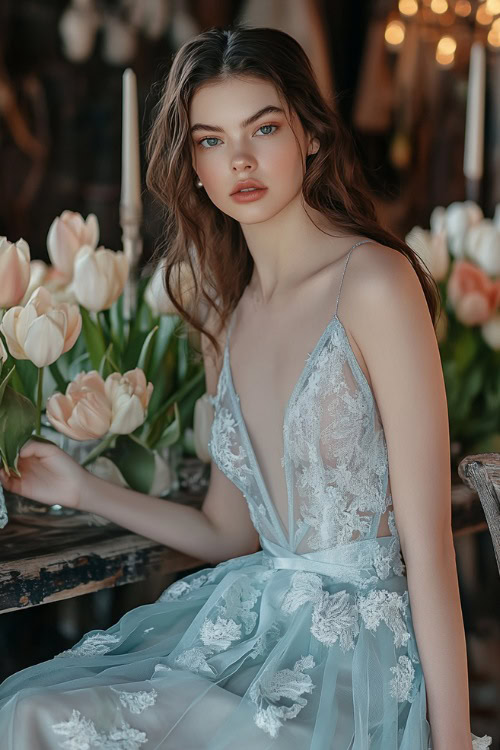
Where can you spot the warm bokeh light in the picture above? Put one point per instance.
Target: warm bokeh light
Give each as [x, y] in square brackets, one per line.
[463, 8]
[446, 46]
[493, 7]
[483, 16]
[408, 7]
[439, 6]
[494, 37]
[395, 33]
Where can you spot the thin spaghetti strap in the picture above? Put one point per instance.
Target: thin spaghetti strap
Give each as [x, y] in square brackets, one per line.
[361, 242]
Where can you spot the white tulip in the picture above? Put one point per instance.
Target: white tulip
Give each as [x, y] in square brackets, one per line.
[14, 271]
[491, 332]
[129, 396]
[202, 426]
[437, 221]
[459, 218]
[432, 249]
[99, 277]
[482, 245]
[162, 479]
[156, 295]
[106, 469]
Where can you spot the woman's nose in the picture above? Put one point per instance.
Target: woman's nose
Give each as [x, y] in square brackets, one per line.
[243, 162]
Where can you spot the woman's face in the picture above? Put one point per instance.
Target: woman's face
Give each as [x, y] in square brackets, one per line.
[240, 132]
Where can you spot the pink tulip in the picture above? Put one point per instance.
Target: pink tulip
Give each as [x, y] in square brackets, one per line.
[473, 295]
[84, 413]
[129, 397]
[67, 234]
[42, 330]
[14, 271]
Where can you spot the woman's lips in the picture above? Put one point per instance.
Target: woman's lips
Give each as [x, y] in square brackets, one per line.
[248, 196]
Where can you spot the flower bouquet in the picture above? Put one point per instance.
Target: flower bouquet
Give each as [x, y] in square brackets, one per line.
[121, 395]
[462, 251]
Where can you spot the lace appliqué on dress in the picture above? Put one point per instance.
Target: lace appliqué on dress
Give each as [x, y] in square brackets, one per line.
[137, 702]
[81, 734]
[401, 685]
[390, 607]
[93, 645]
[270, 688]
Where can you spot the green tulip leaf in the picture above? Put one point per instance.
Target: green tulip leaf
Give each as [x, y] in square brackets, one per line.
[96, 346]
[4, 382]
[17, 422]
[147, 351]
[171, 432]
[28, 375]
[135, 461]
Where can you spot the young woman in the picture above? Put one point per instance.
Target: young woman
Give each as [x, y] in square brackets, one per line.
[330, 452]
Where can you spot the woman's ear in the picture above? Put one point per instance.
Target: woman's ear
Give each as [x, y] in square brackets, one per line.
[313, 147]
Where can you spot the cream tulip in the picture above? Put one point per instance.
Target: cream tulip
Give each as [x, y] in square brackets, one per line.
[156, 295]
[99, 277]
[129, 396]
[459, 218]
[67, 234]
[491, 332]
[14, 271]
[482, 245]
[42, 330]
[84, 412]
[202, 425]
[432, 249]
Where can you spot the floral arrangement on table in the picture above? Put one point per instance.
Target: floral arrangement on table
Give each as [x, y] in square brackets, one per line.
[462, 251]
[117, 393]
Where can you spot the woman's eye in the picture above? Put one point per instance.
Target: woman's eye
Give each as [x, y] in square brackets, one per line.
[268, 126]
[201, 143]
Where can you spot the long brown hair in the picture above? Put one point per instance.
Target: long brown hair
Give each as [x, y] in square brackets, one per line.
[197, 232]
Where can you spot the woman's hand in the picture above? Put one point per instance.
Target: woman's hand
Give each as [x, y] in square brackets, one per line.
[48, 475]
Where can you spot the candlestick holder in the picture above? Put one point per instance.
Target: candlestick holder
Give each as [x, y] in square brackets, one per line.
[130, 222]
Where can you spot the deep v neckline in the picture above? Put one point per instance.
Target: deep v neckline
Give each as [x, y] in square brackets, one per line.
[293, 395]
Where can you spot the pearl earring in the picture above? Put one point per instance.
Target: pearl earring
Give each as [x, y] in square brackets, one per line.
[199, 183]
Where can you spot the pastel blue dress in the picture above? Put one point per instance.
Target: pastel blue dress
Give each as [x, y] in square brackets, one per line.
[306, 644]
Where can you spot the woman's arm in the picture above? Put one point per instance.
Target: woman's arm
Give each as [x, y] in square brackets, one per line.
[390, 322]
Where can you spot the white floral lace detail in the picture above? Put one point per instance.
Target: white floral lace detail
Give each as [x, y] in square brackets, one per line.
[390, 607]
[93, 645]
[400, 687]
[81, 734]
[336, 616]
[137, 702]
[271, 687]
[219, 635]
[230, 456]
[182, 587]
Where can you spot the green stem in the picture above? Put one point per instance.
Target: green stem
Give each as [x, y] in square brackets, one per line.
[103, 445]
[39, 391]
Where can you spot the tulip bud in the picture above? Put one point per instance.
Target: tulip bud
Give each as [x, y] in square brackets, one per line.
[42, 330]
[14, 271]
[129, 397]
[156, 295]
[84, 412]
[67, 234]
[99, 277]
[491, 332]
[202, 426]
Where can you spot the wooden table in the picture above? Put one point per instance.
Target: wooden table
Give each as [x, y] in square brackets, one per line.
[41, 565]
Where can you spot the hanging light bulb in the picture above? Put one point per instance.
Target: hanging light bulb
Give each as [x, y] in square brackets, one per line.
[494, 34]
[445, 51]
[493, 7]
[463, 8]
[394, 33]
[408, 7]
[483, 16]
[439, 6]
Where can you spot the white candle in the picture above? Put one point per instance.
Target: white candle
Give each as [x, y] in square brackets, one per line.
[131, 172]
[474, 127]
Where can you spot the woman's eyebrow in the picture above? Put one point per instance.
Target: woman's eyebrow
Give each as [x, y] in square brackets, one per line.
[217, 129]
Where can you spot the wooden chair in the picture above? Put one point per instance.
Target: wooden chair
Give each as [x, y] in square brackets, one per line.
[481, 473]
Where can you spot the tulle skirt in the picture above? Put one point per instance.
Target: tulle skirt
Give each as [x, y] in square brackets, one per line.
[246, 655]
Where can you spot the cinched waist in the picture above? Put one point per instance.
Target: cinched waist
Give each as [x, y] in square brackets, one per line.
[361, 562]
